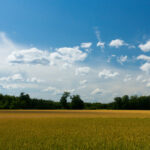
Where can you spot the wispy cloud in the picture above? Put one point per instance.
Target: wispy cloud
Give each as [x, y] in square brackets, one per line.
[99, 43]
[97, 91]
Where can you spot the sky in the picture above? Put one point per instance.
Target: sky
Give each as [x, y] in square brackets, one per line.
[98, 49]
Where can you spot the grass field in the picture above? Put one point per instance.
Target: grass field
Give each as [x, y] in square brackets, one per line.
[74, 130]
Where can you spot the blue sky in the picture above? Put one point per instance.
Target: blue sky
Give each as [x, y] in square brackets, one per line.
[98, 49]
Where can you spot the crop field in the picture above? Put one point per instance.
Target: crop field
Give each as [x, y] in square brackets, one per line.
[74, 130]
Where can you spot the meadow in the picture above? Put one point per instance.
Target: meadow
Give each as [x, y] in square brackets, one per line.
[74, 130]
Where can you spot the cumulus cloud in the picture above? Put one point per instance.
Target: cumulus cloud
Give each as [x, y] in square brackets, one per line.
[107, 74]
[97, 91]
[145, 47]
[116, 43]
[67, 55]
[122, 59]
[82, 71]
[143, 57]
[29, 56]
[86, 45]
[145, 67]
[34, 56]
[71, 54]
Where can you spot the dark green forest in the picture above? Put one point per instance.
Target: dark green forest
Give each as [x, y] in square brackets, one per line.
[25, 102]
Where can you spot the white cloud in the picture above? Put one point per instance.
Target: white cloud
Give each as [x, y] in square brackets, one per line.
[64, 56]
[139, 78]
[15, 77]
[101, 44]
[66, 65]
[29, 56]
[71, 54]
[56, 91]
[67, 55]
[127, 78]
[148, 84]
[13, 86]
[97, 91]
[122, 59]
[117, 43]
[145, 47]
[107, 74]
[34, 80]
[83, 82]
[30, 77]
[143, 57]
[97, 32]
[20, 78]
[145, 67]
[86, 45]
[6, 45]
[82, 71]
[52, 90]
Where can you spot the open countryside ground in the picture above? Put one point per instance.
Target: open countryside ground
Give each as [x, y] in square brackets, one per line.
[74, 130]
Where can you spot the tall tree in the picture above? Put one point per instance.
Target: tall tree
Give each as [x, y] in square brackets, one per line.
[117, 103]
[125, 102]
[63, 100]
[76, 102]
[24, 100]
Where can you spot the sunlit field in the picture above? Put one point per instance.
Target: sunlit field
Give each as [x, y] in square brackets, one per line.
[74, 130]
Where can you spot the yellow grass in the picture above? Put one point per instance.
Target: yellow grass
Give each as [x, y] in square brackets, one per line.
[74, 130]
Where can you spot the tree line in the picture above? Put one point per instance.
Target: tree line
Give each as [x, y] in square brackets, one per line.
[23, 101]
